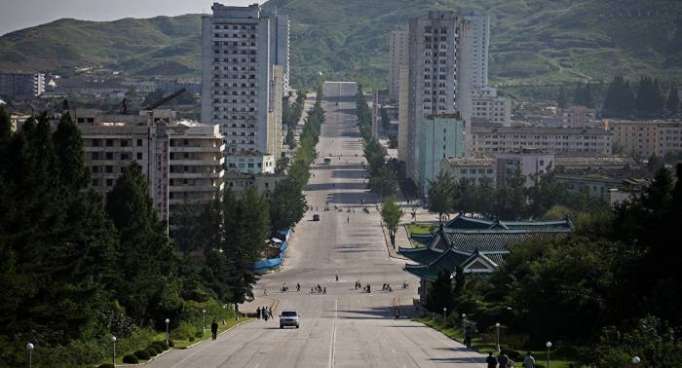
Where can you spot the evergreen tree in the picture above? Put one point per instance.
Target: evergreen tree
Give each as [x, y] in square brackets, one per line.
[146, 261]
[69, 150]
[287, 205]
[290, 139]
[441, 194]
[619, 101]
[5, 126]
[673, 103]
[440, 294]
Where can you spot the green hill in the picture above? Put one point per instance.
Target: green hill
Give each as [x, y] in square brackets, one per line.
[533, 41]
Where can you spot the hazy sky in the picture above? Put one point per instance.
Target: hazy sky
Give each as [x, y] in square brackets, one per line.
[18, 14]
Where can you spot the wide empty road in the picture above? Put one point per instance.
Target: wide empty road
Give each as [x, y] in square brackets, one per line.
[345, 327]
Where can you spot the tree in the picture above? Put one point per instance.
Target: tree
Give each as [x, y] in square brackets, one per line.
[441, 194]
[562, 98]
[619, 101]
[69, 150]
[583, 95]
[287, 205]
[391, 214]
[673, 103]
[384, 182]
[440, 293]
[147, 260]
[281, 165]
[290, 139]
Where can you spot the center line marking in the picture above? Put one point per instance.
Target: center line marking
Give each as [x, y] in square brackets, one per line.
[332, 340]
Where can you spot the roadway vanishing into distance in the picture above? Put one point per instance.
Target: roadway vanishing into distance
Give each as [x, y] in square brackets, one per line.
[345, 327]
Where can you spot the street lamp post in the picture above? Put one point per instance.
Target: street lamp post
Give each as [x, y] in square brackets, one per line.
[29, 349]
[167, 331]
[113, 356]
[445, 313]
[549, 348]
[497, 327]
[203, 320]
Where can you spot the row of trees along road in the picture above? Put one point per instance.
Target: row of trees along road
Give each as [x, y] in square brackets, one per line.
[232, 232]
[74, 271]
[605, 293]
[383, 174]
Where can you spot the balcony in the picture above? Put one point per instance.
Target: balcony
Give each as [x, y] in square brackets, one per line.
[207, 162]
[198, 175]
[216, 149]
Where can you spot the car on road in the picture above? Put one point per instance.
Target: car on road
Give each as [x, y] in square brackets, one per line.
[289, 319]
[316, 217]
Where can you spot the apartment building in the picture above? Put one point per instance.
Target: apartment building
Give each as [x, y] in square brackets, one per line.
[439, 136]
[489, 138]
[398, 52]
[22, 85]
[480, 44]
[240, 78]
[488, 107]
[403, 113]
[439, 75]
[529, 163]
[645, 138]
[183, 161]
[474, 170]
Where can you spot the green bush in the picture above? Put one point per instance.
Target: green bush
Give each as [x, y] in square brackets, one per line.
[130, 359]
[105, 365]
[199, 334]
[152, 351]
[190, 339]
[160, 346]
[184, 331]
[171, 343]
[142, 355]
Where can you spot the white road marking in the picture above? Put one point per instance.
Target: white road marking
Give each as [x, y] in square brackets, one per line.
[332, 340]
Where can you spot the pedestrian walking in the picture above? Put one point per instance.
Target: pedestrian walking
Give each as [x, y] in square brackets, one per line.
[529, 360]
[214, 329]
[491, 361]
[298, 287]
[503, 361]
[337, 277]
[258, 313]
[348, 219]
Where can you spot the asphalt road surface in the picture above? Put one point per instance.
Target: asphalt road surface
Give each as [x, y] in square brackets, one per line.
[344, 327]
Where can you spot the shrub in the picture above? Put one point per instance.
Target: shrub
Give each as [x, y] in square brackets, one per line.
[130, 359]
[142, 355]
[190, 339]
[171, 343]
[105, 365]
[199, 334]
[160, 345]
[152, 351]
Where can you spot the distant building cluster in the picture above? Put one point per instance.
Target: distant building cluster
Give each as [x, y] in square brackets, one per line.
[21, 86]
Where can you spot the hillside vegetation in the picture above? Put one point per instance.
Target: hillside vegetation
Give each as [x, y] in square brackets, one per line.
[533, 41]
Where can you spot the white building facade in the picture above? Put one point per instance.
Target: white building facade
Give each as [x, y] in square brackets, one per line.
[240, 48]
[439, 75]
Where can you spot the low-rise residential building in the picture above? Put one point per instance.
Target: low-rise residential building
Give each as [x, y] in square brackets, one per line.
[488, 138]
[263, 183]
[251, 163]
[645, 138]
[488, 107]
[529, 163]
[22, 86]
[438, 137]
[183, 161]
[475, 170]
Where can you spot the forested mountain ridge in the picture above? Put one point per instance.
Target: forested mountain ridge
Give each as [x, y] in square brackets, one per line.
[533, 41]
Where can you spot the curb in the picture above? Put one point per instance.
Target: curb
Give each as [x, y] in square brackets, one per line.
[220, 334]
[391, 252]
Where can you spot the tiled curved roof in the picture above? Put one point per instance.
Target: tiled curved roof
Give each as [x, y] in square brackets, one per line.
[421, 255]
[463, 222]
